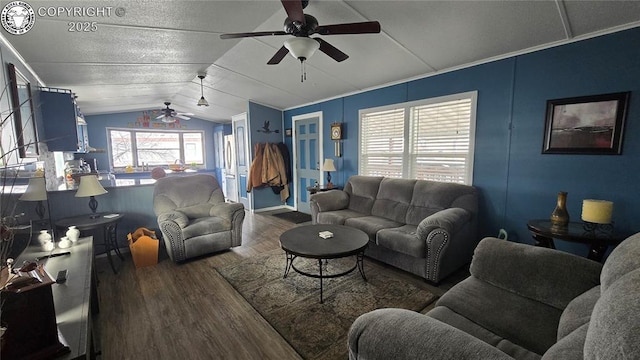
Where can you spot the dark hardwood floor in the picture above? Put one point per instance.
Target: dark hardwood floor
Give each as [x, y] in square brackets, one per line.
[189, 311]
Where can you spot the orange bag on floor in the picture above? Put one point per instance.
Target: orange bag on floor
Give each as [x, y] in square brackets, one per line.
[143, 245]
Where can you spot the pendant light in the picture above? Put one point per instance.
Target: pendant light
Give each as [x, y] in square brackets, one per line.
[202, 101]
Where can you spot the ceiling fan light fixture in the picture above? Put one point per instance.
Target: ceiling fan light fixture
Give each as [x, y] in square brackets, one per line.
[202, 101]
[301, 48]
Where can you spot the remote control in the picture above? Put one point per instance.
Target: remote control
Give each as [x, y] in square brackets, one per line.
[62, 276]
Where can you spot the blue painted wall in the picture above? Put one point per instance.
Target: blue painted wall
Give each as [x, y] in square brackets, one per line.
[516, 181]
[257, 115]
[97, 125]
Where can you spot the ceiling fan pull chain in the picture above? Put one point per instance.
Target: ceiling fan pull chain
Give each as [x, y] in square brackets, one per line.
[302, 72]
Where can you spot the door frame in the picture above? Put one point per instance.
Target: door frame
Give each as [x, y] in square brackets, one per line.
[244, 118]
[317, 114]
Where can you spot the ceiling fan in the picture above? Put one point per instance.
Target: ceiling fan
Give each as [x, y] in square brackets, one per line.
[301, 26]
[169, 115]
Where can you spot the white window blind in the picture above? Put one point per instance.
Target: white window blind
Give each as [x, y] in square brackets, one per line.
[439, 149]
[430, 139]
[382, 140]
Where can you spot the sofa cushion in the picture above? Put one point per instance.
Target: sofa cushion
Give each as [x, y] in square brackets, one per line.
[578, 312]
[551, 276]
[570, 347]
[623, 259]
[403, 240]
[430, 197]
[337, 217]
[393, 199]
[362, 192]
[371, 224]
[614, 328]
[525, 322]
[458, 321]
[208, 225]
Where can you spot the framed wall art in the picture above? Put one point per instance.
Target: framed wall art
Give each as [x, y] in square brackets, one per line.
[22, 108]
[586, 125]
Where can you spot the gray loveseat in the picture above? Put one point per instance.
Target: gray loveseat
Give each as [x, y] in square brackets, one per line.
[521, 302]
[427, 228]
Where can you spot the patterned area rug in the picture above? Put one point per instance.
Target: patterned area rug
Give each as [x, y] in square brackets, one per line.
[292, 305]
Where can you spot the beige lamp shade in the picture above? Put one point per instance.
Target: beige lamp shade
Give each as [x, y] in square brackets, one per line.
[328, 165]
[597, 211]
[90, 186]
[36, 190]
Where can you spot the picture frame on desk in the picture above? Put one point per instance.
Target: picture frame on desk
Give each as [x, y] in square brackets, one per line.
[586, 125]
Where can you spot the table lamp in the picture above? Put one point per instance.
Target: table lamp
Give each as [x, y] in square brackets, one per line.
[90, 186]
[328, 166]
[36, 191]
[596, 214]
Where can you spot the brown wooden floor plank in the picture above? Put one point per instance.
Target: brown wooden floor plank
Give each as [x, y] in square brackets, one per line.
[188, 311]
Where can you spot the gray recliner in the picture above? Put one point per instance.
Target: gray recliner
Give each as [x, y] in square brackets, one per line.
[194, 218]
[520, 302]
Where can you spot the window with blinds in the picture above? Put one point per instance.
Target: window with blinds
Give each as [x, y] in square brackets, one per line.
[430, 139]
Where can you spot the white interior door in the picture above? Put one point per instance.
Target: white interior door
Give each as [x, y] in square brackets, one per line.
[241, 137]
[307, 156]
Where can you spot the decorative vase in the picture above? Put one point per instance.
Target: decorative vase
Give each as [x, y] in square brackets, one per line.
[64, 243]
[44, 237]
[560, 216]
[73, 234]
[48, 246]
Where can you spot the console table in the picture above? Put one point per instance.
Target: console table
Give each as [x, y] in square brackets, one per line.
[76, 299]
[543, 234]
[109, 226]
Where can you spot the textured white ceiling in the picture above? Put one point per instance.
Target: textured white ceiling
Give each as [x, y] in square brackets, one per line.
[154, 52]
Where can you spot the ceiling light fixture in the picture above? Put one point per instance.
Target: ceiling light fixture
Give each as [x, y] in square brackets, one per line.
[302, 48]
[202, 101]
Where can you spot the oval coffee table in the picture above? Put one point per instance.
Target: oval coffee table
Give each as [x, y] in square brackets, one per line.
[305, 242]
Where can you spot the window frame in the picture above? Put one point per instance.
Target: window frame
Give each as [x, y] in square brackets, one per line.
[407, 154]
[134, 146]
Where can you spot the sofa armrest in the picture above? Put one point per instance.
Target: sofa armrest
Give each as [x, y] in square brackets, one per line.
[404, 334]
[330, 200]
[226, 210]
[546, 275]
[175, 216]
[171, 224]
[450, 220]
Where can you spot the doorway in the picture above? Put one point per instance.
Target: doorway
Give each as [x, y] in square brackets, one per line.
[307, 156]
[241, 139]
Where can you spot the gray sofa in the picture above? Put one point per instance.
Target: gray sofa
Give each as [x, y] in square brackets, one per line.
[521, 302]
[194, 218]
[427, 228]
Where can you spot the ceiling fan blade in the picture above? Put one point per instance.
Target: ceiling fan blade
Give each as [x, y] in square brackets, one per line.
[278, 56]
[161, 116]
[367, 27]
[252, 34]
[331, 50]
[185, 114]
[183, 117]
[294, 10]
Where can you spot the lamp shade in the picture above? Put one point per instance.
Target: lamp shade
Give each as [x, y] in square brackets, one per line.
[301, 47]
[597, 211]
[36, 190]
[90, 186]
[328, 165]
[203, 102]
